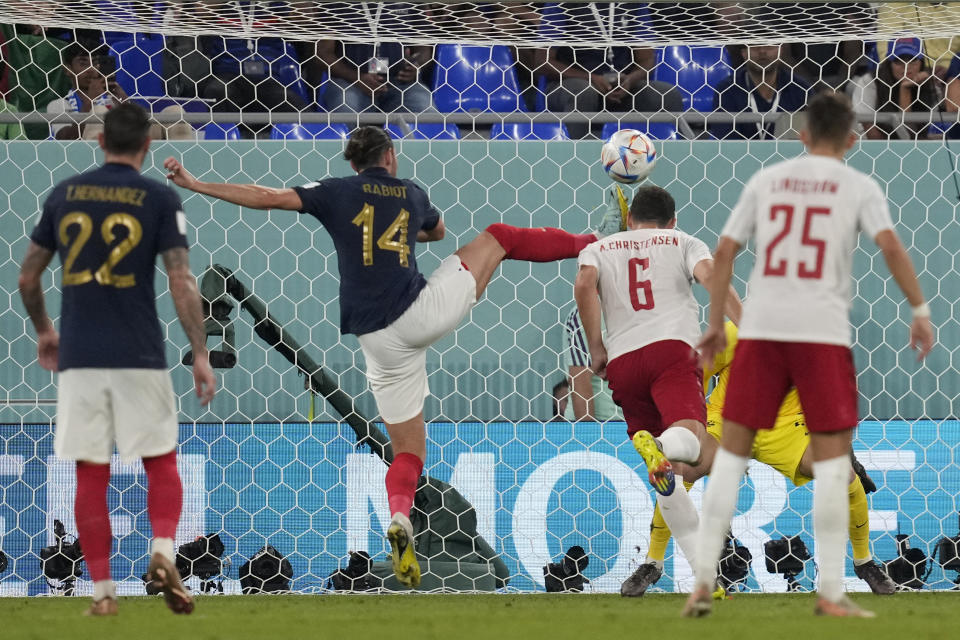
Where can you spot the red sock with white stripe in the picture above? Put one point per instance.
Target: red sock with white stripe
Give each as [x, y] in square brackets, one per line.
[93, 522]
[541, 244]
[164, 500]
[402, 477]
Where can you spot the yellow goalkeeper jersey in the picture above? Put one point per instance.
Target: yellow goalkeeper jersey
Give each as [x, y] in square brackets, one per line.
[721, 368]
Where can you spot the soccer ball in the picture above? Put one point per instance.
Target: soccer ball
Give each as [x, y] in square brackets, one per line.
[628, 156]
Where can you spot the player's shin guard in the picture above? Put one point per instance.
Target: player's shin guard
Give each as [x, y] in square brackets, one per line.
[93, 518]
[830, 521]
[680, 445]
[541, 244]
[164, 498]
[680, 516]
[859, 528]
[402, 477]
[719, 502]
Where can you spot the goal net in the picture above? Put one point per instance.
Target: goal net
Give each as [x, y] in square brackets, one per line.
[498, 110]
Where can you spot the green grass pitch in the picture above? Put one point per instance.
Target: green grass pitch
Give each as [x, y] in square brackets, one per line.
[910, 616]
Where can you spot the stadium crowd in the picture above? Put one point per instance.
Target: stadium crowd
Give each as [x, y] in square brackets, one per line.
[65, 70]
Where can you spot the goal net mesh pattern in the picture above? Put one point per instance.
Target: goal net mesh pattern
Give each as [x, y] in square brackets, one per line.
[272, 463]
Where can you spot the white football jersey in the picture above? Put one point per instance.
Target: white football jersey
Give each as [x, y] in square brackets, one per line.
[805, 215]
[645, 283]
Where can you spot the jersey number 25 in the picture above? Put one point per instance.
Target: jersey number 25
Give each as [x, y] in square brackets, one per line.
[779, 268]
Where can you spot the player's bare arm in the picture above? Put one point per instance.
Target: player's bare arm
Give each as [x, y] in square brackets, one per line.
[588, 303]
[31, 292]
[714, 340]
[251, 196]
[186, 299]
[901, 268]
[733, 307]
[432, 235]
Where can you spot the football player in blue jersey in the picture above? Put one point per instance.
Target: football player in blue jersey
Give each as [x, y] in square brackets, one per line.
[109, 225]
[375, 220]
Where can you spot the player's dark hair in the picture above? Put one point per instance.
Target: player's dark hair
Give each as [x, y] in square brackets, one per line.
[366, 146]
[653, 204]
[830, 118]
[125, 129]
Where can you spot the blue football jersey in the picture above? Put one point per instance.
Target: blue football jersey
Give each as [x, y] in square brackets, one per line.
[109, 225]
[373, 219]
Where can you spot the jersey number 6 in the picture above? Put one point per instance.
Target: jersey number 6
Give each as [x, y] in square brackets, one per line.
[392, 239]
[634, 268]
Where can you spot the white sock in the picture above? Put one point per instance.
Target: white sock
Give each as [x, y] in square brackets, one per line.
[831, 517]
[104, 589]
[658, 563]
[719, 503]
[680, 445]
[860, 561]
[681, 516]
[163, 546]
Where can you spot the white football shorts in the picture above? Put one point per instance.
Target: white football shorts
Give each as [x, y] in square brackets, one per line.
[397, 354]
[132, 408]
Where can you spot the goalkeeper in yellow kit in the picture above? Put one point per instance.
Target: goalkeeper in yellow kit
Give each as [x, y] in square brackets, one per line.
[785, 448]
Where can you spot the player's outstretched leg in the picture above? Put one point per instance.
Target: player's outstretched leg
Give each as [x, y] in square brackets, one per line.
[409, 443]
[164, 503]
[501, 242]
[719, 502]
[93, 531]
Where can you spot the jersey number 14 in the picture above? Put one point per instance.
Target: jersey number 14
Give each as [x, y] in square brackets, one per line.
[392, 239]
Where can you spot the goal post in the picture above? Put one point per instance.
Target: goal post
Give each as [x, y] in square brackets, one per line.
[258, 472]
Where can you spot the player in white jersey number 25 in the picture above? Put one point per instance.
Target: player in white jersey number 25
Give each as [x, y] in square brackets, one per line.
[805, 215]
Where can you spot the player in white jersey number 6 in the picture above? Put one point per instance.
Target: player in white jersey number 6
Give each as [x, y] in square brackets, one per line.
[643, 277]
[805, 215]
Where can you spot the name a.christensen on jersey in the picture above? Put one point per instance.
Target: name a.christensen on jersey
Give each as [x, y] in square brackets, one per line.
[639, 244]
[123, 195]
[397, 191]
[799, 185]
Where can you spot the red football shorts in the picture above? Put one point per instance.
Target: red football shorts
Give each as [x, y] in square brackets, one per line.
[763, 371]
[657, 385]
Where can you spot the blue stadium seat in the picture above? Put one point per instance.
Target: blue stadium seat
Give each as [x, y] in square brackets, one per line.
[426, 131]
[472, 78]
[696, 72]
[656, 130]
[529, 131]
[139, 62]
[309, 131]
[286, 71]
[218, 131]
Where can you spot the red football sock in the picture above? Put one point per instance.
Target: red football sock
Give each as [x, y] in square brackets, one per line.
[93, 519]
[402, 479]
[542, 244]
[164, 494]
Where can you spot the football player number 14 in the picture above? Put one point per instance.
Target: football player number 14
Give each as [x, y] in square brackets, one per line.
[392, 239]
[804, 270]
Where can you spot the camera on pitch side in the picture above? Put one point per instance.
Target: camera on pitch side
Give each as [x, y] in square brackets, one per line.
[911, 566]
[567, 575]
[787, 557]
[947, 554]
[61, 561]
